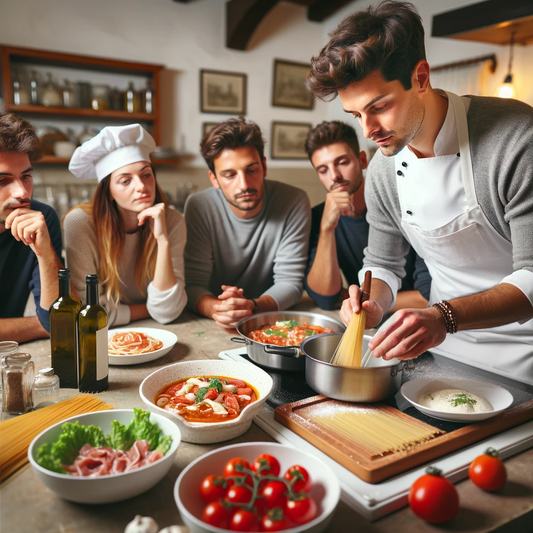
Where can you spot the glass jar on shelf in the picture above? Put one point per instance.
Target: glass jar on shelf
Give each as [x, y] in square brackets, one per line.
[51, 95]
[17, 381]
[45, 388]
[70, 98]
[20, 93]
[100, 97]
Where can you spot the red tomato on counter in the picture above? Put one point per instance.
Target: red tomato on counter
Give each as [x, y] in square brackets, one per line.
[433, 498]
[488, 471]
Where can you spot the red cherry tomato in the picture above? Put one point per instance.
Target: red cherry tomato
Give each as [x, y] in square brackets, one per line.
[268, 464]
[434, 498]
[216, 514]
[274, 494]
[275, 520]
[303, 480]
[213, 488]
[230, 470]
[239, 494]
[488, 471]
[302, 510]
[244, 520]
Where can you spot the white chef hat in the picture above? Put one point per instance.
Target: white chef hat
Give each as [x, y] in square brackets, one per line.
[113, 148]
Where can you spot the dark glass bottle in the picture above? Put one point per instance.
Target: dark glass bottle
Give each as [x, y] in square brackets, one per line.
[92, 341]
[63, 315]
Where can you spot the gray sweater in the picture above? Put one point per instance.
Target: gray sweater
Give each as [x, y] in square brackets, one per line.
[265, 255]
[81, 246]
[501, 145]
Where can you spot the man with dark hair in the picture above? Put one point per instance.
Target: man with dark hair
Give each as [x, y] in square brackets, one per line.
[247, 238]
[30, 236]
[454, 180]
[339, 230]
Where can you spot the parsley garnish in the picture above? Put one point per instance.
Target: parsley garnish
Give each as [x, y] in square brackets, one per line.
[202, 391]
[276, 332]
[215, 383]
[462, 398]
[309, 332]
[198, 333]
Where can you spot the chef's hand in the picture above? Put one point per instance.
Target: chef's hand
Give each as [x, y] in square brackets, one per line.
[232, 307]
[408, 334]
[337, 203]
[156, 219]
[374, 312]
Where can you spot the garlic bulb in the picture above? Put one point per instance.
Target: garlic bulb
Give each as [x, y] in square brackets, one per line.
[142, 524]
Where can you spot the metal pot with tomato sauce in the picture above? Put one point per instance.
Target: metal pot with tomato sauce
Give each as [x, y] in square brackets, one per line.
[273, 338]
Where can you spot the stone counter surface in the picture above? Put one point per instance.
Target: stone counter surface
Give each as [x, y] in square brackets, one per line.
[27, 506]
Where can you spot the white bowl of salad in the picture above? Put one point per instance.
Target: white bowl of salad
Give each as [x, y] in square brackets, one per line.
[105, 456]
[210, 400]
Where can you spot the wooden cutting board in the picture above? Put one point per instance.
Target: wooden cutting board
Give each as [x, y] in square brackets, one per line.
[299, 417]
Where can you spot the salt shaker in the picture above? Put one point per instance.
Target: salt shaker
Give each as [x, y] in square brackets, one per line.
[17, 380]
[45, 388]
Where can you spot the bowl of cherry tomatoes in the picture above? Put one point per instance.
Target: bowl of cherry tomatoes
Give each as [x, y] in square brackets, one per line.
[260, 486]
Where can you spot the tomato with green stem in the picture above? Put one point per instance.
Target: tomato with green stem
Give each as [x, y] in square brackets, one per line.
[301, 510]
[239, 494]
[275, 494]
[232, 468]
[299, 478]
[266, 464]
[217, 514]
[488, 471]
[213, 488]
[433, 498]
[275, 520]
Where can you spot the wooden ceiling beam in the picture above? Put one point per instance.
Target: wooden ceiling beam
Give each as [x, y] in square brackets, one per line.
[324, 9]
[242, 18]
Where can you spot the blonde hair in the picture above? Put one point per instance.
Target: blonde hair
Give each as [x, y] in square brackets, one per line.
[106, 218]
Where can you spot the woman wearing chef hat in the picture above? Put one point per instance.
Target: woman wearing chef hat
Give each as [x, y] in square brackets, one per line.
[126, 233]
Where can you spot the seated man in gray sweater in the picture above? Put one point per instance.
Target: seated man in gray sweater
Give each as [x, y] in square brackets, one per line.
[247, 238]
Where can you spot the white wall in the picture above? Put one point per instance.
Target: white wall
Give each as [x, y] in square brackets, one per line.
[189, 37]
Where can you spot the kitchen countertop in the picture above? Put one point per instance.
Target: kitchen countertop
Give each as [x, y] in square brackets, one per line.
[26, 506]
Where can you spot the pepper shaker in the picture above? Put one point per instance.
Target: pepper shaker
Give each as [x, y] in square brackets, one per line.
[17, 380]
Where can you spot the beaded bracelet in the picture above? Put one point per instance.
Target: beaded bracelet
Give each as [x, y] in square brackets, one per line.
[447, 312]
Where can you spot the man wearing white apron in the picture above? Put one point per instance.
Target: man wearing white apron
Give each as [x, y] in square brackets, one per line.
[455, 179]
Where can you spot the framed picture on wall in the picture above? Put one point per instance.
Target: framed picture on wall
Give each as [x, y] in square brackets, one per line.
[222, 92]
[289, 85]
[207, 127]
[288, 140]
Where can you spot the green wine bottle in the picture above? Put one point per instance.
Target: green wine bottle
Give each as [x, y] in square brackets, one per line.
[92, 341]
[63, 315]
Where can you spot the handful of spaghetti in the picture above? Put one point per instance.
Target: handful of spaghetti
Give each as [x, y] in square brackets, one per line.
[132, 343]
[350, 348]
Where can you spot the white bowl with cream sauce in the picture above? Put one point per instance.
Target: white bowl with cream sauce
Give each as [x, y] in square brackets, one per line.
[457, 400]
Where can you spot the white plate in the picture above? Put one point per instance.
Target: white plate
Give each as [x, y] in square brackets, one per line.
[498, 397]
[168, 338]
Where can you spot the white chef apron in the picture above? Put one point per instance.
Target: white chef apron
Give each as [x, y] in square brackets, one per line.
[464, 256]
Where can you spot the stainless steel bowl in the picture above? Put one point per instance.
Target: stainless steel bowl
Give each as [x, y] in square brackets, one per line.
[280, 357]
[373, 383]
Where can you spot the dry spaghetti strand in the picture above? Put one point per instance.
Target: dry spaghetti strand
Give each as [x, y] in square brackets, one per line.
[376, 430]
[133, 343]
[350, 348]
[17, 433]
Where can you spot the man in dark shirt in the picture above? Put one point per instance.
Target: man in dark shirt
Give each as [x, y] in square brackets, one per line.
[30, 236]
[339, 230]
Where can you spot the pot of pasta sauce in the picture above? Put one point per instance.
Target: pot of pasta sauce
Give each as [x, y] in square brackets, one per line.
[272, 355]
[373, 383]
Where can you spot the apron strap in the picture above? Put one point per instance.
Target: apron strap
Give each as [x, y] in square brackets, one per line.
[464, 148]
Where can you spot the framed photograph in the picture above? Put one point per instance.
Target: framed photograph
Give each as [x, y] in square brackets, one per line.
[289, 85]
[207, 127]
[288, 140]
[222, 92]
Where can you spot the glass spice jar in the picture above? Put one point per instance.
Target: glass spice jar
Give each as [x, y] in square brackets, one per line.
[17, 381]
[45, 388]
[6, 348]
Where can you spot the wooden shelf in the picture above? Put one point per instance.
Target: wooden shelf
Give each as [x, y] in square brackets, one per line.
[77, 112]
[54, 160]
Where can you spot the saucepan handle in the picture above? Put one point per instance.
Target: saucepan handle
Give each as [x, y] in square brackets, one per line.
[290, 351]
[238, 340]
